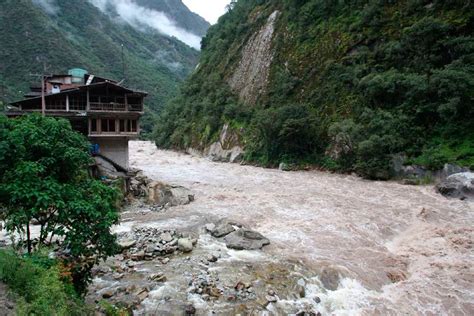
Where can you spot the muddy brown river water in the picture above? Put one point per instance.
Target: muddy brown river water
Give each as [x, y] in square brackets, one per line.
[361, 247]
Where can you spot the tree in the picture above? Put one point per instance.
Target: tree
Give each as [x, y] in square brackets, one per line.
[44, 177]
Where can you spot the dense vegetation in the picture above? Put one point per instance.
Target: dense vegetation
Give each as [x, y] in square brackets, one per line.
[79, 35]
[352, 84]
[41, 286]
[44, 178]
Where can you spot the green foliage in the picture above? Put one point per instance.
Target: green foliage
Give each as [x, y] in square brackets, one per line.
[364, 79]
[44, 177]
[40, 290]
[286, 133]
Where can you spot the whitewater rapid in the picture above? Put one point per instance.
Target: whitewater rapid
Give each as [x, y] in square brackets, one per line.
[398, 250]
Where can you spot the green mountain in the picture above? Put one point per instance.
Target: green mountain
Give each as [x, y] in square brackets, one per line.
[346, 85]
[49, 36]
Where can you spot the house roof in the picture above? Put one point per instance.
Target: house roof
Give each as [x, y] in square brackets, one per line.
[85, 87]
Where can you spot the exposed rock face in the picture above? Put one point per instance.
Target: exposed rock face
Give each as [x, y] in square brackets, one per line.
[244, 239]
[458, 185]
[167, 195]
[228, 148]
[250, 79]
[341, 144]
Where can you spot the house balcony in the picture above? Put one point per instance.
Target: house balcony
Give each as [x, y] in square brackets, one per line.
[114, 107]
[130, 135]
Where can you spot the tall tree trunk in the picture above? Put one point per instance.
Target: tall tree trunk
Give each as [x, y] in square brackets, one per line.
[28, 237]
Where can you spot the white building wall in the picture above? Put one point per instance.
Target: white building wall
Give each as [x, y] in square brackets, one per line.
[116, 149]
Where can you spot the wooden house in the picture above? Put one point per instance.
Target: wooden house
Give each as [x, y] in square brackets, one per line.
[102, 109]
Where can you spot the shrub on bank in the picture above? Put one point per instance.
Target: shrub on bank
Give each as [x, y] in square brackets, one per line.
[39, 286]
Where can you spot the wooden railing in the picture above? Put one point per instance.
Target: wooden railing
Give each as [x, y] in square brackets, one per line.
[114, 107]
[107, 107]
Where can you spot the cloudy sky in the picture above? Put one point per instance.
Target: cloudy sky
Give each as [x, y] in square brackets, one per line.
[211, 10]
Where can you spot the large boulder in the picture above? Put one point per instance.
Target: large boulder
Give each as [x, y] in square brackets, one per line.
[458, 185]
[167, 195]
[245, 239]
[222, 228]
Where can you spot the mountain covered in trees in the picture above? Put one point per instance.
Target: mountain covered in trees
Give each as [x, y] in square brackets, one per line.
[51, 36]
[346, 85]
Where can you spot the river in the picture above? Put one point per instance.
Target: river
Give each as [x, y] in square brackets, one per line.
[358, 247]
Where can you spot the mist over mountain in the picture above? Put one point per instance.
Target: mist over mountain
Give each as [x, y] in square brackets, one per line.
[170, 18]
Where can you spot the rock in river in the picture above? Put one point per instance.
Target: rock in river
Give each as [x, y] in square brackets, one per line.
[185, 245]
[245, 239]
[126, 244]
[459, 185]
[222, 229]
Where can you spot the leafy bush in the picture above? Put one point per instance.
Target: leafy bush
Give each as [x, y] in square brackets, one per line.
[40, 290]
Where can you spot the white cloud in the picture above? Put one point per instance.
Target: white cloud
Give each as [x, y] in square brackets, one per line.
[49, 6]
[211, 10]
[138, 17]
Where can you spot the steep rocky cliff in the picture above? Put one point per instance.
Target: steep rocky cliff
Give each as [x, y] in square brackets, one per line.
[250, 78]
[346, 85]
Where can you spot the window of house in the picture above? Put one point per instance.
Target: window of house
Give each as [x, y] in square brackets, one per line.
[93, 125]
[134, 126]
[108, 125]
[122, 126]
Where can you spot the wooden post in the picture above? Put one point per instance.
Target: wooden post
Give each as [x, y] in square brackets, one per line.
[67, 102]
[43, 99]
[126, 103]
[88, 101]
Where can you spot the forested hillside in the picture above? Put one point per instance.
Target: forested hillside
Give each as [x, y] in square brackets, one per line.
[347, 85]
[37, 39]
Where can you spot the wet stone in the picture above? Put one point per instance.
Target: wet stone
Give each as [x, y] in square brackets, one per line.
[166, 237]
[301, 291]
[190, 310]
[185, 245]
[210, 227]
[212, 258]
[108, 294]
[157, 277]
[222, 229]
[245, 239]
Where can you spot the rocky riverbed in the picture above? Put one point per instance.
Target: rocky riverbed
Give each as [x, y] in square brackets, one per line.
[330, 245]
